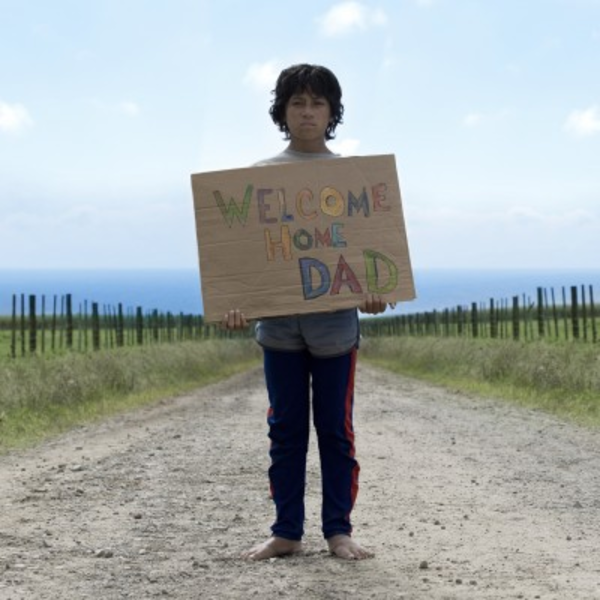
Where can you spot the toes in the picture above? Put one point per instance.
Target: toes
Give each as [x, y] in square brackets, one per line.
[347, 549]
[344, 553]
[272, 548]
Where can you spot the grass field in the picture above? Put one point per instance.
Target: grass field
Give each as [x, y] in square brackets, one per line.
[41, 397]
[562, 378]
[4, 344]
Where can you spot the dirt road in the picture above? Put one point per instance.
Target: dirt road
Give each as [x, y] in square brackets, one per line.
[460, 498]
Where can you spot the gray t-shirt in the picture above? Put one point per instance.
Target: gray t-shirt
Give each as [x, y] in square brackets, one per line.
[324, 334]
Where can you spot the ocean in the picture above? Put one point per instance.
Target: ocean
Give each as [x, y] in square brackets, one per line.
[178, 290]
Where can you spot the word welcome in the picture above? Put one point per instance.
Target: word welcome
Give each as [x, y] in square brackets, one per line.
[329, 201]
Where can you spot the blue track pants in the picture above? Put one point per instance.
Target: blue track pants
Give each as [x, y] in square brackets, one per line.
[290, 377]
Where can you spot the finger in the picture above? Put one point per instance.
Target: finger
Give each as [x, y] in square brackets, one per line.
[378, 304]
[367, 304]
[238, 319]
[229, 319]
[370, 302]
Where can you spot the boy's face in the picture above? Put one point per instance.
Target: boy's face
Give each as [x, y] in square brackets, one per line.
[307, 116]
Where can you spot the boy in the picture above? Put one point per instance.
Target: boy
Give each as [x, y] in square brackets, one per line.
[312, 350]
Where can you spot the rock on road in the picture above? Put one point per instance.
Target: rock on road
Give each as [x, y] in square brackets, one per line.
[461, 497]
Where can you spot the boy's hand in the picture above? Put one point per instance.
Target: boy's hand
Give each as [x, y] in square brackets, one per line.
[234, 319]
[373, 305]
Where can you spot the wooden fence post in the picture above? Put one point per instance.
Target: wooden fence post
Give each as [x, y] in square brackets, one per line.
[540, 312]
[23, 328]
[155, 325]
[474, 320]
[554, 314]
[43, 324]
[85, 325]
[119, 326]
[139, 325]
[13, 333]
[527, 306]
[574, 313]
[565, 314]
[516, 318]
[459, 320]
[446, 322]
[505, 318]
[593, 316]
[493, 320]
[32, 325]
[106, 326]
[79, 329]
[53, 325]
[95, 327]
[584, 313]
[69, 326]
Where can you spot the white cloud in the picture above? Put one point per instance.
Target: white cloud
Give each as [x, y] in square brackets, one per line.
[513, 216]
[47, 238]
[469, 238]
[347, 147]
[262, 76]
[129, 108]
[14, 117]
[525, 215]
[348, 17]
[476, 119]
[388, 63]
[583, 123]
[389, 60]
[473, 119]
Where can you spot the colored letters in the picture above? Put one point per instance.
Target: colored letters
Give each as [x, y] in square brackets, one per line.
[317, 278]
[314, 220]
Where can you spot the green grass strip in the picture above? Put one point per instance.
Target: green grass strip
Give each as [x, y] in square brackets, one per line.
[560, 378]
[42, 397]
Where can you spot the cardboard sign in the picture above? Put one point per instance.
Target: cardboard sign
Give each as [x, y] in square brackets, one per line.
[301, 237]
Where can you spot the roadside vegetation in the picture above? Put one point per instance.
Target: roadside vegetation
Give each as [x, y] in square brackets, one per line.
[43, 396]
[562, 378]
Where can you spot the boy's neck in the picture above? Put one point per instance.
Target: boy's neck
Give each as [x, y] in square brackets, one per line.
[309, 147]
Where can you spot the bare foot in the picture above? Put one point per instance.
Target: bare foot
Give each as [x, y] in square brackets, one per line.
[274, 546]
[343, 546]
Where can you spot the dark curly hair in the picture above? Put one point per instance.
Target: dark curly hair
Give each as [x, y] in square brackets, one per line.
[320, 81]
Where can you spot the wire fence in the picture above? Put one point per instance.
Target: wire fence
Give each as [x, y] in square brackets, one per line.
[39, 325]
[571, 316]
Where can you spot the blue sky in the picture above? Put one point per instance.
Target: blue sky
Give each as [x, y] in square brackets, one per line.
[492, 109]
